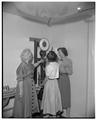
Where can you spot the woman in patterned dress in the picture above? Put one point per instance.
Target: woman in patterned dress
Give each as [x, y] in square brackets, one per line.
[26, 102]
[64, 83]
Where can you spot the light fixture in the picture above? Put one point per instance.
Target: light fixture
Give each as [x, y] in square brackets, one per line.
[78, 8]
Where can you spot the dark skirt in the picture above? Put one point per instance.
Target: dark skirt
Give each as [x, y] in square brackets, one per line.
[40, 94]
[64, 86]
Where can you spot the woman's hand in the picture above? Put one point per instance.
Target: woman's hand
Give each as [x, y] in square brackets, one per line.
[42, 61]
[38, 63]
[41, 85]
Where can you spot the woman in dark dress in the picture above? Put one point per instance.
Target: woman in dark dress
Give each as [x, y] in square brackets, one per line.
[64, 83]
[26, 102]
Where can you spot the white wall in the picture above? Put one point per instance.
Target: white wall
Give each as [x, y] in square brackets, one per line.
[16, 33]
[91, 72]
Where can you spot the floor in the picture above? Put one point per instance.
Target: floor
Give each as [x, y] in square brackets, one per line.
[40, 115]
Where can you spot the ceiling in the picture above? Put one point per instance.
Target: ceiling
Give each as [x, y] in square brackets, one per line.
[51, 13]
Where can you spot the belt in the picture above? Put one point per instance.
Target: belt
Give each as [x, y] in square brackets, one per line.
[52, 79]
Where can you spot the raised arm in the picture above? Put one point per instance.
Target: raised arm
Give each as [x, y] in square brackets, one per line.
[38, 63]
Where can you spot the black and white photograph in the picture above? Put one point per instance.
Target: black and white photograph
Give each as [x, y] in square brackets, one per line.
[48, 59]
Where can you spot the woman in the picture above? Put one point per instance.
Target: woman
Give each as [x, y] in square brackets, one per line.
[64, 83]
[26, 102]
[51, 102]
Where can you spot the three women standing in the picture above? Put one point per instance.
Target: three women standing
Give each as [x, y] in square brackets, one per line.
[26, 102]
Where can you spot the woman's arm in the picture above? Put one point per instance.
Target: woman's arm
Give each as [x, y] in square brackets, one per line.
[19, 73]
[21, 88]
[69, 68]
[38, 63]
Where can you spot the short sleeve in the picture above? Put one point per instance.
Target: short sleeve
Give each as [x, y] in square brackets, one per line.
[19, 73]
[33, 67]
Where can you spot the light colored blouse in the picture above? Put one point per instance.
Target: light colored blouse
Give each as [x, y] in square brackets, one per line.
[52, 70]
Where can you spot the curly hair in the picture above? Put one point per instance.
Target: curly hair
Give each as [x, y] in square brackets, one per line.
[52, 57]
[26, 55]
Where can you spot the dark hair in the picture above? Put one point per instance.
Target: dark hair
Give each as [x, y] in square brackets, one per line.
[52, 57]
[64, 51]
[42, 53]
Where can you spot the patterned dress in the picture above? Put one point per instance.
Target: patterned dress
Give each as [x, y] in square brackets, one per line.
[26, 105]
[51, 102]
